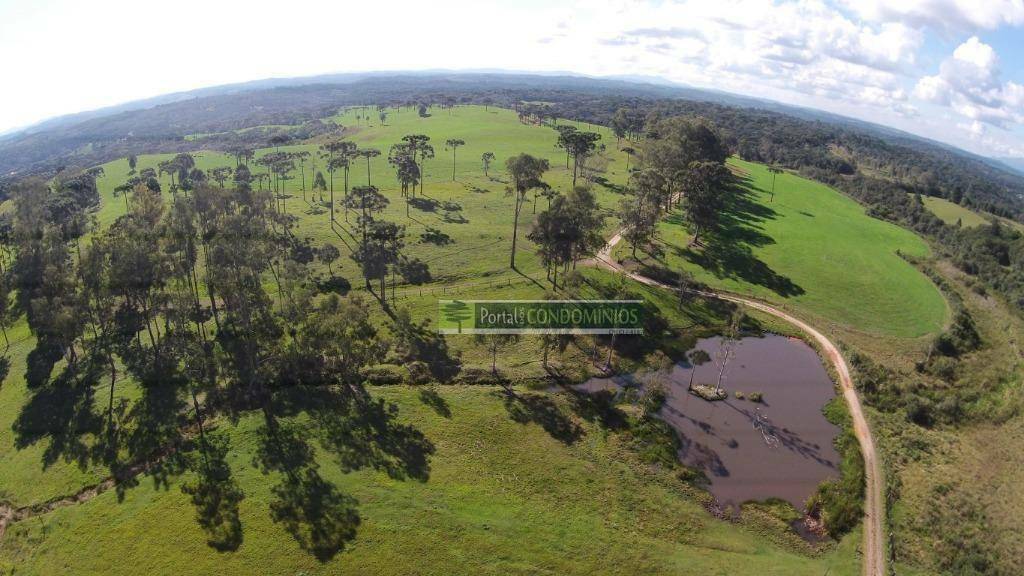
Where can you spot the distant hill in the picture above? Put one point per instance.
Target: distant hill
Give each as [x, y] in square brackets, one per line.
[1015, 164]
[761, 130]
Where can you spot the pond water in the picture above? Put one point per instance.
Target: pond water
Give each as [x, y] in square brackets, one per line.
[780, 447]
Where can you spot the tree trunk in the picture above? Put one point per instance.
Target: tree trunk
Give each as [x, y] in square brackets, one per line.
[515, 232]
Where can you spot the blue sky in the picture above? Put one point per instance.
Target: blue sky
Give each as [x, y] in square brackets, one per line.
[952, 70]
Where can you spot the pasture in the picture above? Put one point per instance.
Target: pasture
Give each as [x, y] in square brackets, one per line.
[809, 248]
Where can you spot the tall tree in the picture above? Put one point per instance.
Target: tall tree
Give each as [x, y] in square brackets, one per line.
[421, 149]
[706, 186]
[775, 171]
[379, 252]
[487, 158]
[526, 172]
[368, 153]
[367, 200]
[569, 230]
[453, 144]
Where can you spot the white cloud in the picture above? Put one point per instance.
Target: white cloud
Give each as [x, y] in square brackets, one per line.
[969, 82]
[860, 61]
[932, 89]
[944, 15]
[977, 53]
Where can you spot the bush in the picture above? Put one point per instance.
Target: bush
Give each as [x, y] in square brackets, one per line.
[756, 397]
[919, 410]
[419, 372]
[383, 375]
[943, 367]
[838, 502]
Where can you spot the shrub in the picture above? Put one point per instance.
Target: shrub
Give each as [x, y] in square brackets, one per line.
[382, 375]
[419, 372]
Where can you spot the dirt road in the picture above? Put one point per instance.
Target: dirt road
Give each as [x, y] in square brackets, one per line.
[874, 504]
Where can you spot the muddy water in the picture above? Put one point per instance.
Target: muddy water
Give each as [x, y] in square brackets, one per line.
[781, 447]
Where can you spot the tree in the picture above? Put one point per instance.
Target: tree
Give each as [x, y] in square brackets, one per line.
[495, 343]
[727, 345]
[406, 170]
[526, 172]
[368, 153]
[578, 145]
[5, 308]
[775, 170]
[420, 148]
[706, 186]
[675, 143]
[301, 157]
[220, 175]
[319, 183]
[569, 230]
[338, 154]
[453, 144]
[368, 201]
[379, 252]
[487, 158]
[697, 357]
[639, 222]
[629, 151]
[327, 254]
[133, 161]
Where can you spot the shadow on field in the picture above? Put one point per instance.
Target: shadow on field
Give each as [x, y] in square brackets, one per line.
[159, 437]
[541, 409]
[727, 250]
[598, 407]
[435, 401]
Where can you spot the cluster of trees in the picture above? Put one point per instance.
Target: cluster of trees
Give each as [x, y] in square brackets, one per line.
[175, 294]
[683, 162]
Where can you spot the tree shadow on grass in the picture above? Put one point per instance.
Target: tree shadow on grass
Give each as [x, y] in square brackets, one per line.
[727, 250]
[598, 407]
[424, 204]
[362, 432]
[5, 369]
[431, 398]
[215, 494]
[60, 411]
[541, 409]
[320, 518]
[359, 432]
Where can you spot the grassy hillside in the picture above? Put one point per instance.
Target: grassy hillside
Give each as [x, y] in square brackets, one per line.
[950, 212]
[472, 213]
[539, 488]
[810, 248]
[503, 498]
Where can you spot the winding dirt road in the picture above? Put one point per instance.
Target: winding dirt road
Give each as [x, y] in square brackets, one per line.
[874, 504]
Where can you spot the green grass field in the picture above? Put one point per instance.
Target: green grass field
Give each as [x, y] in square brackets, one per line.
[503, 497]
[473, 211]
[950, 212]
[810, 248]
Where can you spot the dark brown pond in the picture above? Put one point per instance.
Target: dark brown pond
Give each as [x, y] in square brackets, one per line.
[781, 447]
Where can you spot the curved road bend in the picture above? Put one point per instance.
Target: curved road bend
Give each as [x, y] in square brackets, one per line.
[874, 511]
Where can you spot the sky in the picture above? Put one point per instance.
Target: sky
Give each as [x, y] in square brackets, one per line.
[951, 70]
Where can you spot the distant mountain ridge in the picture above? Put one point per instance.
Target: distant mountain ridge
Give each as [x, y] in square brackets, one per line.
[1015, 164]
[166, 124]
